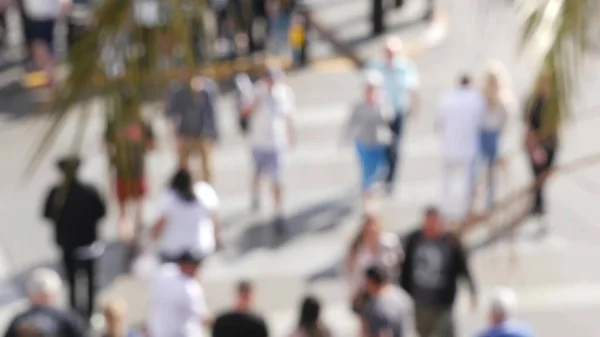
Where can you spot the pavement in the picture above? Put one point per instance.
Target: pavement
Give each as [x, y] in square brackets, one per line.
[559, 290]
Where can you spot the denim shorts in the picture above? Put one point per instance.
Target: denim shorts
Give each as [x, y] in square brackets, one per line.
[268, 162]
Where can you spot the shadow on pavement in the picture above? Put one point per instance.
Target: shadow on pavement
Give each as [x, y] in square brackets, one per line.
[111, 265]
[18, 102]
[313, 219]
[328, 273]
[359, 40]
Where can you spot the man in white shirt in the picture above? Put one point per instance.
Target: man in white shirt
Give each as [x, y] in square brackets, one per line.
[459, 122]
[271, 133]
[178, 306]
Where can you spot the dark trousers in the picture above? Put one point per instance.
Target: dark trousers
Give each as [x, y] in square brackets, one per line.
[396, 126]
[539, 203]
[3, 29]
[76, 272]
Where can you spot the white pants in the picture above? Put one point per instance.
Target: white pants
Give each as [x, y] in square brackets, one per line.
[458, 184]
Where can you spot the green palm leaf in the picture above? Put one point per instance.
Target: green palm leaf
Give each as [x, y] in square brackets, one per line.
[554, 37]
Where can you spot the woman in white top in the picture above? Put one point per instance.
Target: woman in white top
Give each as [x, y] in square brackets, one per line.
[498, 100]
[371, 246]
[188, 218]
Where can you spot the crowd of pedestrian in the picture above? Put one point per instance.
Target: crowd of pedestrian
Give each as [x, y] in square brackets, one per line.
[389, 277]
[240, 27]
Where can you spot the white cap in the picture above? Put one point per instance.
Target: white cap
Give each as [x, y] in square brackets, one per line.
[373, 78]
[44, 281]
[503, 302]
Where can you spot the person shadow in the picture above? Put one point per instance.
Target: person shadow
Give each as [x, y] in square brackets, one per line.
[316, 218]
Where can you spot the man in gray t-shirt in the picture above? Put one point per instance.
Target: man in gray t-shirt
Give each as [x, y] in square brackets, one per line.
[385, 313]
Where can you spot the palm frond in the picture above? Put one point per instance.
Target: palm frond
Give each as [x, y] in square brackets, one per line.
[554, 39]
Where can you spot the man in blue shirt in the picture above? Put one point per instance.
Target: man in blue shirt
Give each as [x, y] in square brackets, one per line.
[501, 324]
[401, 83]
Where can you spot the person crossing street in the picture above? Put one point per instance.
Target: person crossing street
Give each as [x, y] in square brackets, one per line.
[271, 134]
[401, 84]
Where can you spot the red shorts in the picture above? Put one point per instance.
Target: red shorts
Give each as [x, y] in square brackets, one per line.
[130, 189]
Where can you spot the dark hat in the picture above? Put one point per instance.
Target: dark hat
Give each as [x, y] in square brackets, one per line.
[66, 163]
[189, 257]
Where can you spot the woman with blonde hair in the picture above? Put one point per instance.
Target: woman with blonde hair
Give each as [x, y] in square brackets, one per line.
[499, 99]
[371, 246]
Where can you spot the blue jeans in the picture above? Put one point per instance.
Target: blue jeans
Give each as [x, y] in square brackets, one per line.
[489, 152]
[372, 161]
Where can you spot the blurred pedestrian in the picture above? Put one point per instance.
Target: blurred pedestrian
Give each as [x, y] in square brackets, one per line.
[504, 302]
[371, 246]
[192, 106]
[498, 98]
[460, 121]
[368, 128]
[244, 95]
[188, 218]
[401, 86]
[388, 307]
[115, 320]
[220, 8]
[297, 39]
[128, 141]
[435, 260]
[75, 209]
[309, 322]
[43, 317]
[242, 320]
[177, 301]
[271, 134]
[42, 15]
[541, 138]
[4, 8]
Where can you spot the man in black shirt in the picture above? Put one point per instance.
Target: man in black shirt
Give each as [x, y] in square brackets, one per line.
[43, 319]
[434, 261]
[241, 321]
[75, 209]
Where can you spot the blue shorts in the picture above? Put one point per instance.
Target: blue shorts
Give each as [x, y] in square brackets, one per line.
[268, 162]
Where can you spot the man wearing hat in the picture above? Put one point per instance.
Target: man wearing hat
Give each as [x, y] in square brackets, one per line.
[177, 302]
[75, 209]
[271, 134]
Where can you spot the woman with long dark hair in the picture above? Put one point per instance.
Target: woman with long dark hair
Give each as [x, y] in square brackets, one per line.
[541, 141]
[371, 246]
[188, 218]
[309, 322]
